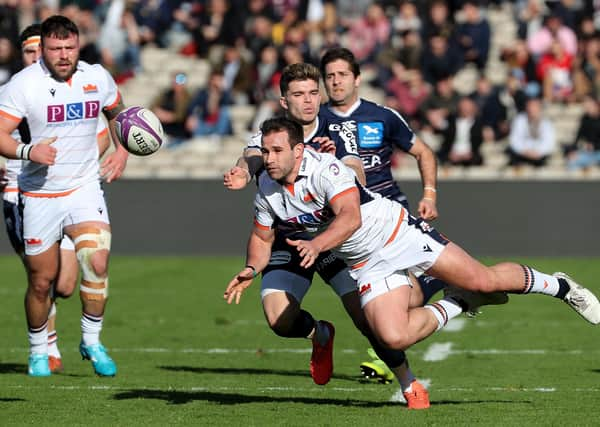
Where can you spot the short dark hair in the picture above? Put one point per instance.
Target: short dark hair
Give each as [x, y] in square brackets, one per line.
[280, 124]
[31, 31]
[298, 72]
[342, 53]
[58, 26]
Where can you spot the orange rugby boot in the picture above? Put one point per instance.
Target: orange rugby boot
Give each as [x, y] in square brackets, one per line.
[417, 397]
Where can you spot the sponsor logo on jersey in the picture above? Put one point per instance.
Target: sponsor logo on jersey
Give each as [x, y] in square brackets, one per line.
[347, 133]
[364, 289]
[370, 134]
[90, 88]
[59, 113]
[315, 218]
[334, 169]
[33, 241]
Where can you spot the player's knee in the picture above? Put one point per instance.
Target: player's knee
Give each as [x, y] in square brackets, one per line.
[395, 340]
[39, 286]
[92, 249]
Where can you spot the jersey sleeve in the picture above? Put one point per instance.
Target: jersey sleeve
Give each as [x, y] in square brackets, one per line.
[112, 96]
[255, 141]
[398, 131]
[335, 179]
[264, 217]
[13, 104]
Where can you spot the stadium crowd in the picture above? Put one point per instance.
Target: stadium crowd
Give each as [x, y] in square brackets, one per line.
[412, 52]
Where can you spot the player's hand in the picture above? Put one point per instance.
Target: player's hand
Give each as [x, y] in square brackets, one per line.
[43, 152]
[238, 285]
[113, 166]
[427, 209]
[3, 179]
[307, 250]
[236, 178]
[326, 145]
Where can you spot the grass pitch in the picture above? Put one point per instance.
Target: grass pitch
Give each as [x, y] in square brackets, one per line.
[187, 358]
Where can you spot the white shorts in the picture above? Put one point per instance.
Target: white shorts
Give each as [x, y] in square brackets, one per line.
[414, 250]
[297, 285]
[44, 218]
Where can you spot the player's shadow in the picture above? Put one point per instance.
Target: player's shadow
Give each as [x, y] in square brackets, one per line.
[11, 399]
[597, 371]
[13, 368]
[174, 397]
[182, 397]
[250, 371]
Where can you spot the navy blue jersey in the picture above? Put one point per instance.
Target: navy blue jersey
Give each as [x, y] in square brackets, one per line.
[343, 148]
[375, 130]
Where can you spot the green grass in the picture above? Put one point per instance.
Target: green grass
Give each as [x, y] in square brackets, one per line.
[532, 362]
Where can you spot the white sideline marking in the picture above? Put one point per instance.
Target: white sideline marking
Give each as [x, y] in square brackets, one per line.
[492, 351]
[399, 397]
[438, 351]
[455, 325]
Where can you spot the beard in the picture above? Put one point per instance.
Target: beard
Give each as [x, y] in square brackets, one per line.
[62, 74]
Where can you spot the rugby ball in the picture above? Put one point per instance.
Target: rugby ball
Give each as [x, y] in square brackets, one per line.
[139, 130]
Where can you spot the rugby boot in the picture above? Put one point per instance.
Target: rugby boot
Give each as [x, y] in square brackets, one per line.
[417, 397]
[321, 361]
[103, 365]
[38, 365]
[580, 299]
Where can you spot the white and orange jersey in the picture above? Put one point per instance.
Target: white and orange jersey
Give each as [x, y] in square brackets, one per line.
[13, 166]
[306, 205]
[68, 110]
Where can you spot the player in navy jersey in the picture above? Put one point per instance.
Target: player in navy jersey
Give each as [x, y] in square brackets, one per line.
[285, 281]
[376, 131]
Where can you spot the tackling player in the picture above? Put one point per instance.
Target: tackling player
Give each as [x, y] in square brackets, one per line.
[65, 284]
[62, 98]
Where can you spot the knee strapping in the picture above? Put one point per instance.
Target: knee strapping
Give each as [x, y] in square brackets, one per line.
[90, 241]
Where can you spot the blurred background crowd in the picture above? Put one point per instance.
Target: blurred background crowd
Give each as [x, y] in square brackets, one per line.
[497, 88]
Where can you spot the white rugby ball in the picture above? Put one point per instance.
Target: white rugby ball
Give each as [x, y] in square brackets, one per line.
[139, 130]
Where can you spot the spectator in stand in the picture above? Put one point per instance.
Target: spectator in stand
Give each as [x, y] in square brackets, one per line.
[439, 22]
[287, 13]
[554, 71]
[440, 59]
[492, 112]
[406, 92]
[208, 113]
[154, 19]
[407, 18]
[532, 138]
[238, 75]
[171, 107]
[10, 61]
[440, 105]
[473, 35]
[369, 34]
[585, 150]
[529, 16]
[517, 57]
[463, 136]
[349, 11]
[541, 41]
[266, 92]
[219, 26]
[296, 35]
[119, 42]
[586, 70]
[259, 35]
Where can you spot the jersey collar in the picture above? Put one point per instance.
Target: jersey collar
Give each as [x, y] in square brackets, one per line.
[348, 113]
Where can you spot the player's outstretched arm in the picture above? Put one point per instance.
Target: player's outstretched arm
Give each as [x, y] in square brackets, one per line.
[428, 168]
[257, 258]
